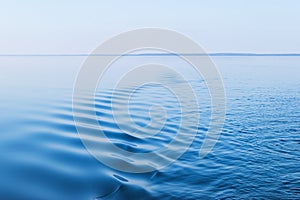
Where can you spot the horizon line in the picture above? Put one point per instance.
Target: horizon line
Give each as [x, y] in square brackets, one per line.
[160, 54]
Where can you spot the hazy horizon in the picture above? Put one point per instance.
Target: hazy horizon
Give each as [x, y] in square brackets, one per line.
[54, 27]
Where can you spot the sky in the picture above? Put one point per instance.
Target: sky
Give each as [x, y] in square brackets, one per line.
[78, 26]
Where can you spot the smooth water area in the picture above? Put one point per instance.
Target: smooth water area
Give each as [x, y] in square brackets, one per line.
[256, 156]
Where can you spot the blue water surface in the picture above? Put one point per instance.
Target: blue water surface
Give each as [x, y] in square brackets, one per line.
[257, 155]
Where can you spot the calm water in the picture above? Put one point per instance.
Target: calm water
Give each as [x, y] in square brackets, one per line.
[257, 155]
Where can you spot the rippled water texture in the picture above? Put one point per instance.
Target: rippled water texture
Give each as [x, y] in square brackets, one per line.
[257, 155]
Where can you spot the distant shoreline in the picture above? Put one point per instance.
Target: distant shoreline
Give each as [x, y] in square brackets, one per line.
[157, 54]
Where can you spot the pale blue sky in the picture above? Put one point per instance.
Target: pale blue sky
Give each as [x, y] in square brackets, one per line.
[71, 27]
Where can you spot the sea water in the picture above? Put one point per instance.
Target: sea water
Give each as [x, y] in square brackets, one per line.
[256, 156]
